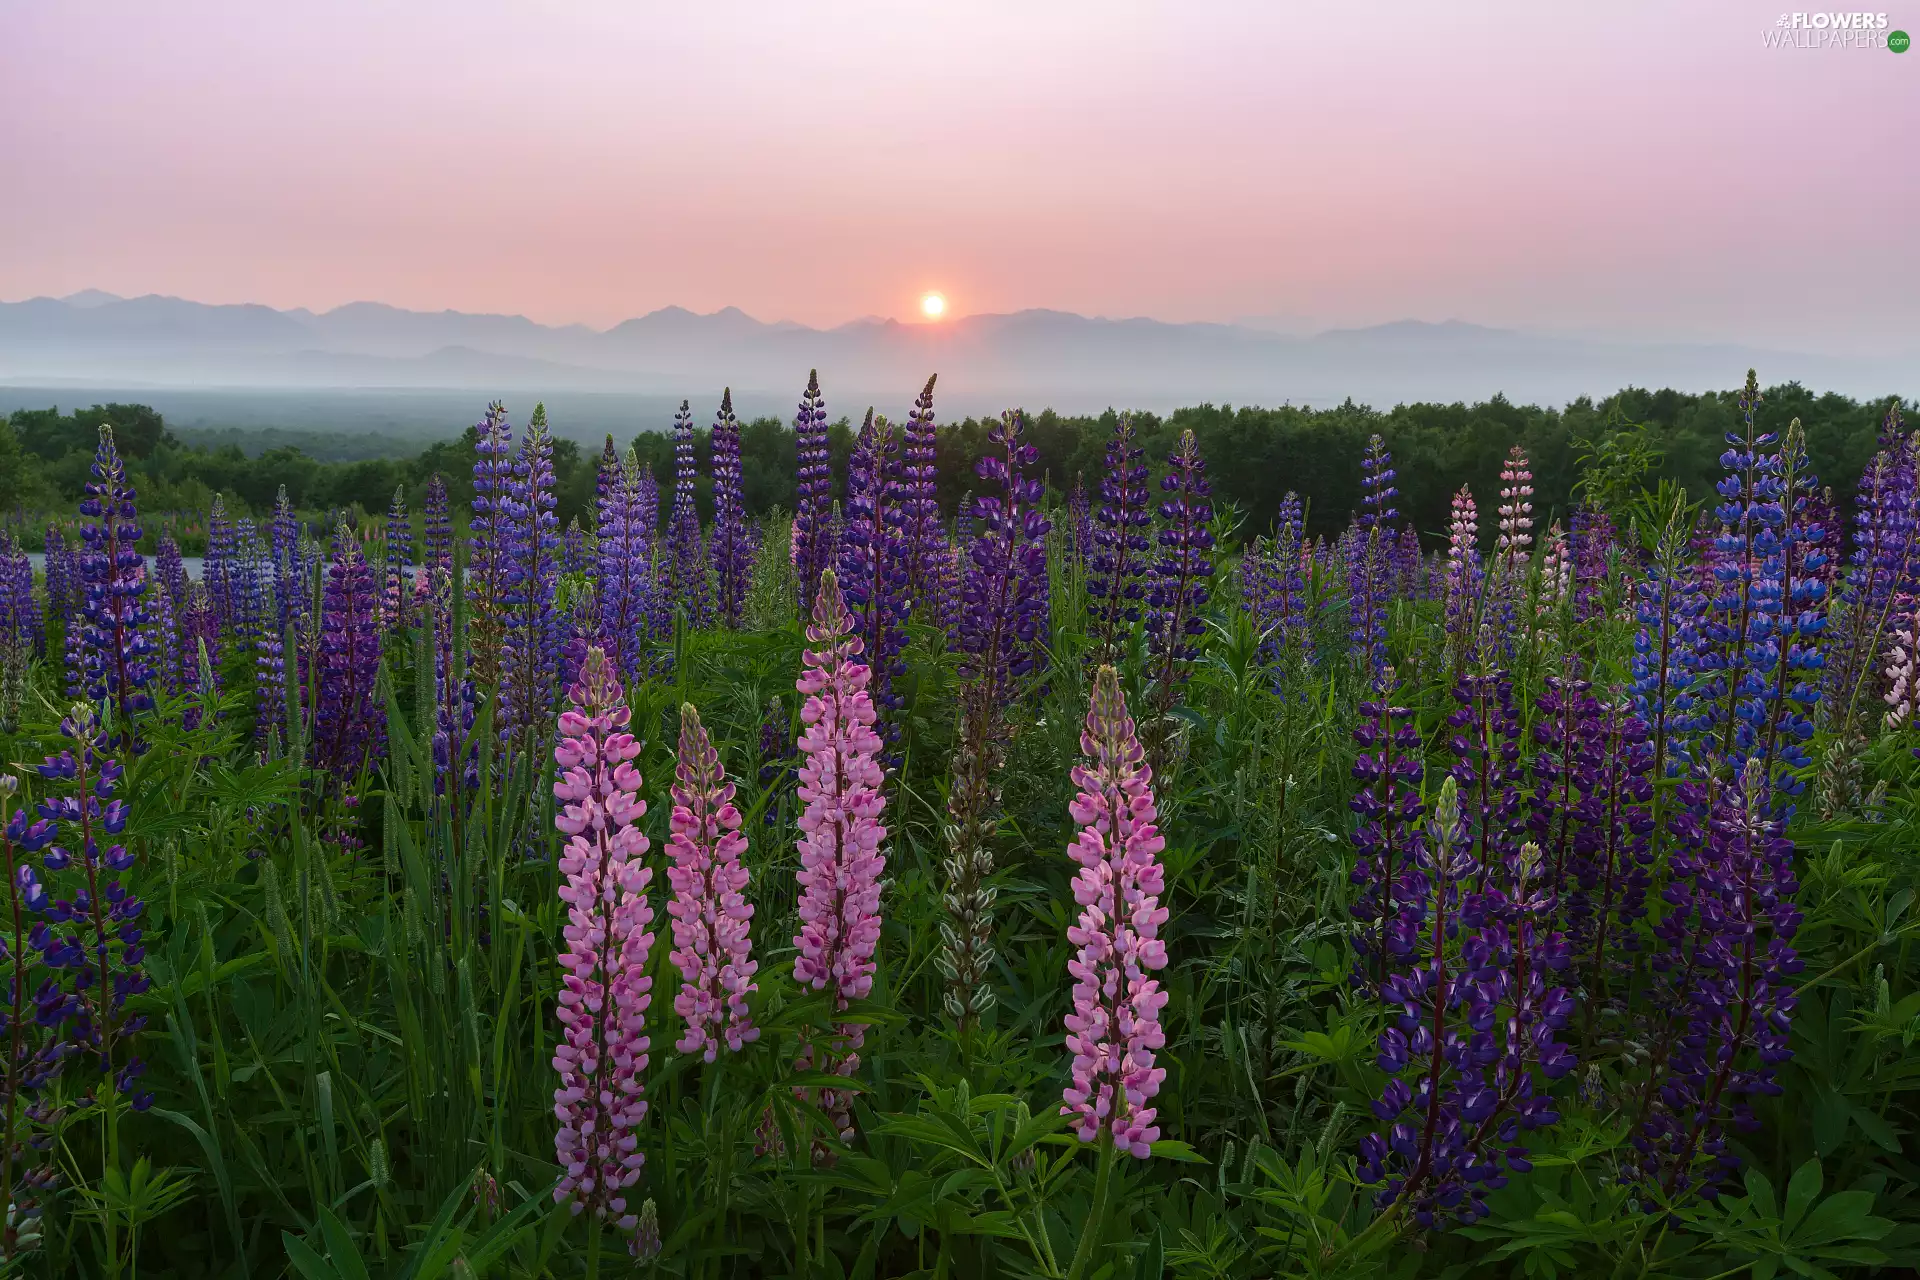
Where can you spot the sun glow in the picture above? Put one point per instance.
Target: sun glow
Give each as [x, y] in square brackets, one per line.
[933, 306]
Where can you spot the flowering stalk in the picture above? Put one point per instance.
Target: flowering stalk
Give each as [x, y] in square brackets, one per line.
[688, 583]
[531, 639]
[1513, 545]
[1387, 802]
[1369, 568]
[925, 539]
[841, 835]
[731, 548]
[1464, 584]
[604, 990]
[713, 945]
[872, 570]
[812, 540]
[34, 1024]
[349, 727]
[623, 574]
[492, 541]
[1119, 557]
[393, 600]
[1177, 592]
[113, 581]
[1114, 1028]
[439, 529]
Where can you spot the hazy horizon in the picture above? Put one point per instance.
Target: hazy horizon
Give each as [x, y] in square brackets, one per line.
[1629, 172]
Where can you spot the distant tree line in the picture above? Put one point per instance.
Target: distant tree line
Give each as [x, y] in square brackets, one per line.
[1256, 454]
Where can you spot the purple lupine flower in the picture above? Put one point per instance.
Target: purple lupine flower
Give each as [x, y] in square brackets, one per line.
[1178, 587]
[171, 571]
[1114, 1028]
[1593, 545]
[33, 1027]
[712, 920]
[349, 726]
[1004, 601]
[20, 613]
[491, 536]
[1369, 561]
[872, 560]
[1120, 556]
[1275, 588]
[104, 916]
[1885, 563]
[1486, 764]
[776, 754]
[269, 665]
[623, 576]
[217, 566]
[841, 779]
[293, 576]
[1669, 604]
[1724, 976]
[573, 548]
[199, 628]
[394, 597]
[1388, 770]
[63, 585]
[687, 569]
[116, 650]
[605, 990]
[1410, 562]
[926, 540]
[530, 644]
[812, 541]
[729, 544]
[439, 531]
[163, 633]
[456, 749]
[1612, 850]
[1080, 521]
[659, 558]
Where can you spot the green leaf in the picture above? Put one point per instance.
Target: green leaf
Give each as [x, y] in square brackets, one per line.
[305, 1260]
[1802, 1191]
[1168, 1149]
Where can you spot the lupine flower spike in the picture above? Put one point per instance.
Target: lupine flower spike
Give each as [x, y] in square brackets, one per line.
[604, 993]
[713, 947]
[1114, 1028]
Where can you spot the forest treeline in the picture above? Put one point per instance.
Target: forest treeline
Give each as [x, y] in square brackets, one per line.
[1633, 438]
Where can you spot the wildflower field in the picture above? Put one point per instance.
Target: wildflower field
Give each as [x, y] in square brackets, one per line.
[1080, 883]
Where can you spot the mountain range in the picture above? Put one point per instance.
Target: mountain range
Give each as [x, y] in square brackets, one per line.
[1038, 357]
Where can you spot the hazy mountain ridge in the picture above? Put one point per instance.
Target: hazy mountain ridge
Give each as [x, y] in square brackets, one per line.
[1069, 361]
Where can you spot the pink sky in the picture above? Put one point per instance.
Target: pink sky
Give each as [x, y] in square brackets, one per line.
[1618, 168]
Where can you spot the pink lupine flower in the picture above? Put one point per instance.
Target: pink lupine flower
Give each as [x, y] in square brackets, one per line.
[1114, 1027]
[840, 830]
[712, 946]
[1556, 572]
[1515, 539]
[1903, 664]
[605, 990]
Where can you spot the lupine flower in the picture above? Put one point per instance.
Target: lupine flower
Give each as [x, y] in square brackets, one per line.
[530, 645]
[659, 558]
[1369, 561]
[840, 832]
[1178, 588]
[1388, 771]
[393, 600]
[1114, 1028]
[712, 920]
[1612, 852]
[623, 573]
[1725, 976]
[1903, 664]
[1464, 580]
[687, 569]
[1477, 1030]
[349, 726]
[1486, 766]
[1556, 575]
[1513, 546]
[217, 566]
[1002, 609]
[1885, 563]
[1277, 593]
[812, 541]
[873, 575]
[1669, 604]
[573, 548]
[116, 650]
[1593, 543]
[925, 539]
[1080, 521]
[492, 541]
[1120, 556]
[105, 918]
[605, 990]
[63, 578]
[776, 754]
[171, 571]
[730, 546]
[439, 525]
[33, 1027]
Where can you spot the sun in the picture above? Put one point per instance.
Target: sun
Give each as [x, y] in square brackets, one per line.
[933, 306]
